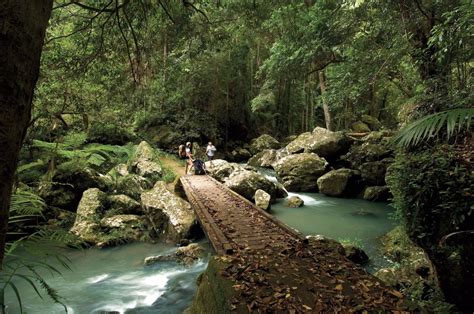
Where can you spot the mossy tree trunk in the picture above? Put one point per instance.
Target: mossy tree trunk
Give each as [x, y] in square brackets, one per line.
[22, 30]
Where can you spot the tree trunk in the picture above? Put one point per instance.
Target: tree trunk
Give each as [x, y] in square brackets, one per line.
[327, 113]
[22, 30]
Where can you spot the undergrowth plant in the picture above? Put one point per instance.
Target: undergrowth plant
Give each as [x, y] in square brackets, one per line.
[29, 256]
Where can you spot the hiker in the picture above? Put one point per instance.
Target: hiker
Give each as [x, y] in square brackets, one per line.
[199, 167]
[181, 152]
[189, 157]
[210, 150]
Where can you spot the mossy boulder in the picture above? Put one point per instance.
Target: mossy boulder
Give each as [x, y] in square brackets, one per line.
[340, 182]
[372, 122]
[294, 202]
[89, 212]
[301, 171]
[240, 154]
[145, 163]
[377, 193]
[360, 127]
[267, 158]
[322, 142]
[68, 184]
[123, 204]
[133, 185]
[373, 173]
[247, 182]
[355, 254]
[119, 229]
[221, 169]
[262, 142]
[367, 152]
[170, 215]
[262, 199]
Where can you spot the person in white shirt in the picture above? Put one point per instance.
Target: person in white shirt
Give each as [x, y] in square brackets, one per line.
[210, 150]
[189, 157]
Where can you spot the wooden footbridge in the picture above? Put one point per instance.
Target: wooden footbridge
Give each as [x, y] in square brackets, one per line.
[276, 268]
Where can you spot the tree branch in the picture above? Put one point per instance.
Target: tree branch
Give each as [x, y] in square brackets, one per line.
[95, 9]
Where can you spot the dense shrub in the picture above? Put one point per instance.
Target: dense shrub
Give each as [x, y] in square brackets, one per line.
[432, 190]
[109, 133]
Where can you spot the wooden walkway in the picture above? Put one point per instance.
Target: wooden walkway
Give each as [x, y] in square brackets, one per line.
[276, 267]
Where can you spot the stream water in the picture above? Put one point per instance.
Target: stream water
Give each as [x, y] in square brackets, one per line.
[115, 280]
[349, 220]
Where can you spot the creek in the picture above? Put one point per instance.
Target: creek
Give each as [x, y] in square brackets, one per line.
[350, 220]
[115, 280]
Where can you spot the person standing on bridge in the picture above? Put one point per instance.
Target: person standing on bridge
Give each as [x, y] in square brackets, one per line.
[210, 150]
[189, 157]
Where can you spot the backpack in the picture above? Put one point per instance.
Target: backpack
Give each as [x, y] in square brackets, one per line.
[199, 167]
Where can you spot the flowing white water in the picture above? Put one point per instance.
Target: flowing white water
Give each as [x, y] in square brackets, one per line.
[116, 280]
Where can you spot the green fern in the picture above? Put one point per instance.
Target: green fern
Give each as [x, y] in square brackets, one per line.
[35, 250]
[430, 126]
[25, 203]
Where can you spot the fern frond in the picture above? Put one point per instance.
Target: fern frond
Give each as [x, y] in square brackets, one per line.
[28, 166]
[25, 203]
[430, 126]
[17, 294]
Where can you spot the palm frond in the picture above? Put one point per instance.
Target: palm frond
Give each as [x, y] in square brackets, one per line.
[430, 126]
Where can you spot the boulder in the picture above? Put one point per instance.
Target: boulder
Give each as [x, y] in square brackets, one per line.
[340, 182]
[301, 171]
[189, 254]
[377, 193]
[221, 169]
[327, 243]
[298, 144]
[185, 255]
[367, 152]
[150, 260]
[133, 185]
[240, 154]
[246, 183]
[119, 170]
[267, 158]
[169, 214]
[89, 211]
[262, 199]
[262, 142]
[287, 140]
[355, 254]
[122, 228]
[372, 122]
[374, 172]
[68, 184]
[145, 163]
[322, 142]
[360, 127]
[294, 202]
[123, 204]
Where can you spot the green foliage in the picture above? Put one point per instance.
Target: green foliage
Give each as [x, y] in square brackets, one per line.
[431, 193]
[26, 256]
[430, 126]
[73, 150]
[108, 133]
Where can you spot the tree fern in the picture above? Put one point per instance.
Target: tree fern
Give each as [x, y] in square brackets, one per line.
[430, 126]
